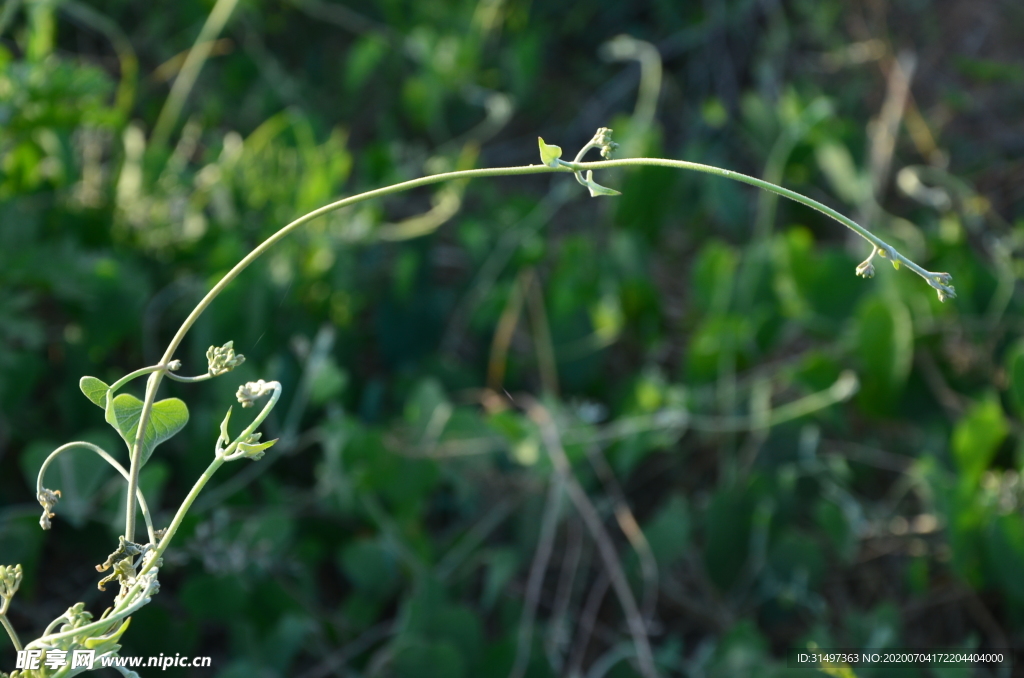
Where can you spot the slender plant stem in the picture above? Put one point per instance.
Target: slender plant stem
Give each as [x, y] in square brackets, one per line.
[154, 378]
[514, 171]
[588, 619]
[186, 78]
[135, 455]
[182, 511]
[116, 386]
[936, 280]
[189, 380]
[122, 47]
[553, 443]
[880, 245]
[123, 609]
[231, 452]
[11, 632]
[538, 568]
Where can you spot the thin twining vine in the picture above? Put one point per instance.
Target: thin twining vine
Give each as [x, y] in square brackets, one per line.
[144, 424]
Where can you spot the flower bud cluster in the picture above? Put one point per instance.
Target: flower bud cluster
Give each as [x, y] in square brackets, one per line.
[47, 499]
[248, 393]
[10, 580]
[603, 140]
[866, 269]
[224, 359]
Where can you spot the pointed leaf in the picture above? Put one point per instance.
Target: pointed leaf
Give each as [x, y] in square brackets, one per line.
[255, 450]
[597, 189]
[251, 448]
[167, 418]
[95, 390]
[549, 154]
[108, 641]
[225, 438]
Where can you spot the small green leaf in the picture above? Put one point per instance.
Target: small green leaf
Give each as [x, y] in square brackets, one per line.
[977, 437]
[225, 438]
[106, 643]
[167, 418]
[255, 450]
[251, 448]
[896, 264]
[597, 189]
[549, 154]
[95, 390]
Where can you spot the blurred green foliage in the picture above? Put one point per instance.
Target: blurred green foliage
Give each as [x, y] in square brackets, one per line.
[689, 337]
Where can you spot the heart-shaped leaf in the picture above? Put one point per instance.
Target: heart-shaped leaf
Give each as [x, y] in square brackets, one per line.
[167, 418]
[95, 390]
[549, 154]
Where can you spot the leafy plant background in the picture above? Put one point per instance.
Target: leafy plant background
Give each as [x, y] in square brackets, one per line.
[667, 329]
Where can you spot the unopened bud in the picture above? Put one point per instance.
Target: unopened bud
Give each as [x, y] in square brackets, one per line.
[603, 139]
[248, 393]
[47, 499]
[10, 580]
[223, 359]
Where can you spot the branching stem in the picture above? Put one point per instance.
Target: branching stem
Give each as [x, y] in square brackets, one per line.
[116, 386]
[190, 380]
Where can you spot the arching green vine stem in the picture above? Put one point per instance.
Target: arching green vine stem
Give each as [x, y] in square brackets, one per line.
[552, 163]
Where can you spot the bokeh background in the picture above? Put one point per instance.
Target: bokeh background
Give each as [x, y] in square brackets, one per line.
[766, 450]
